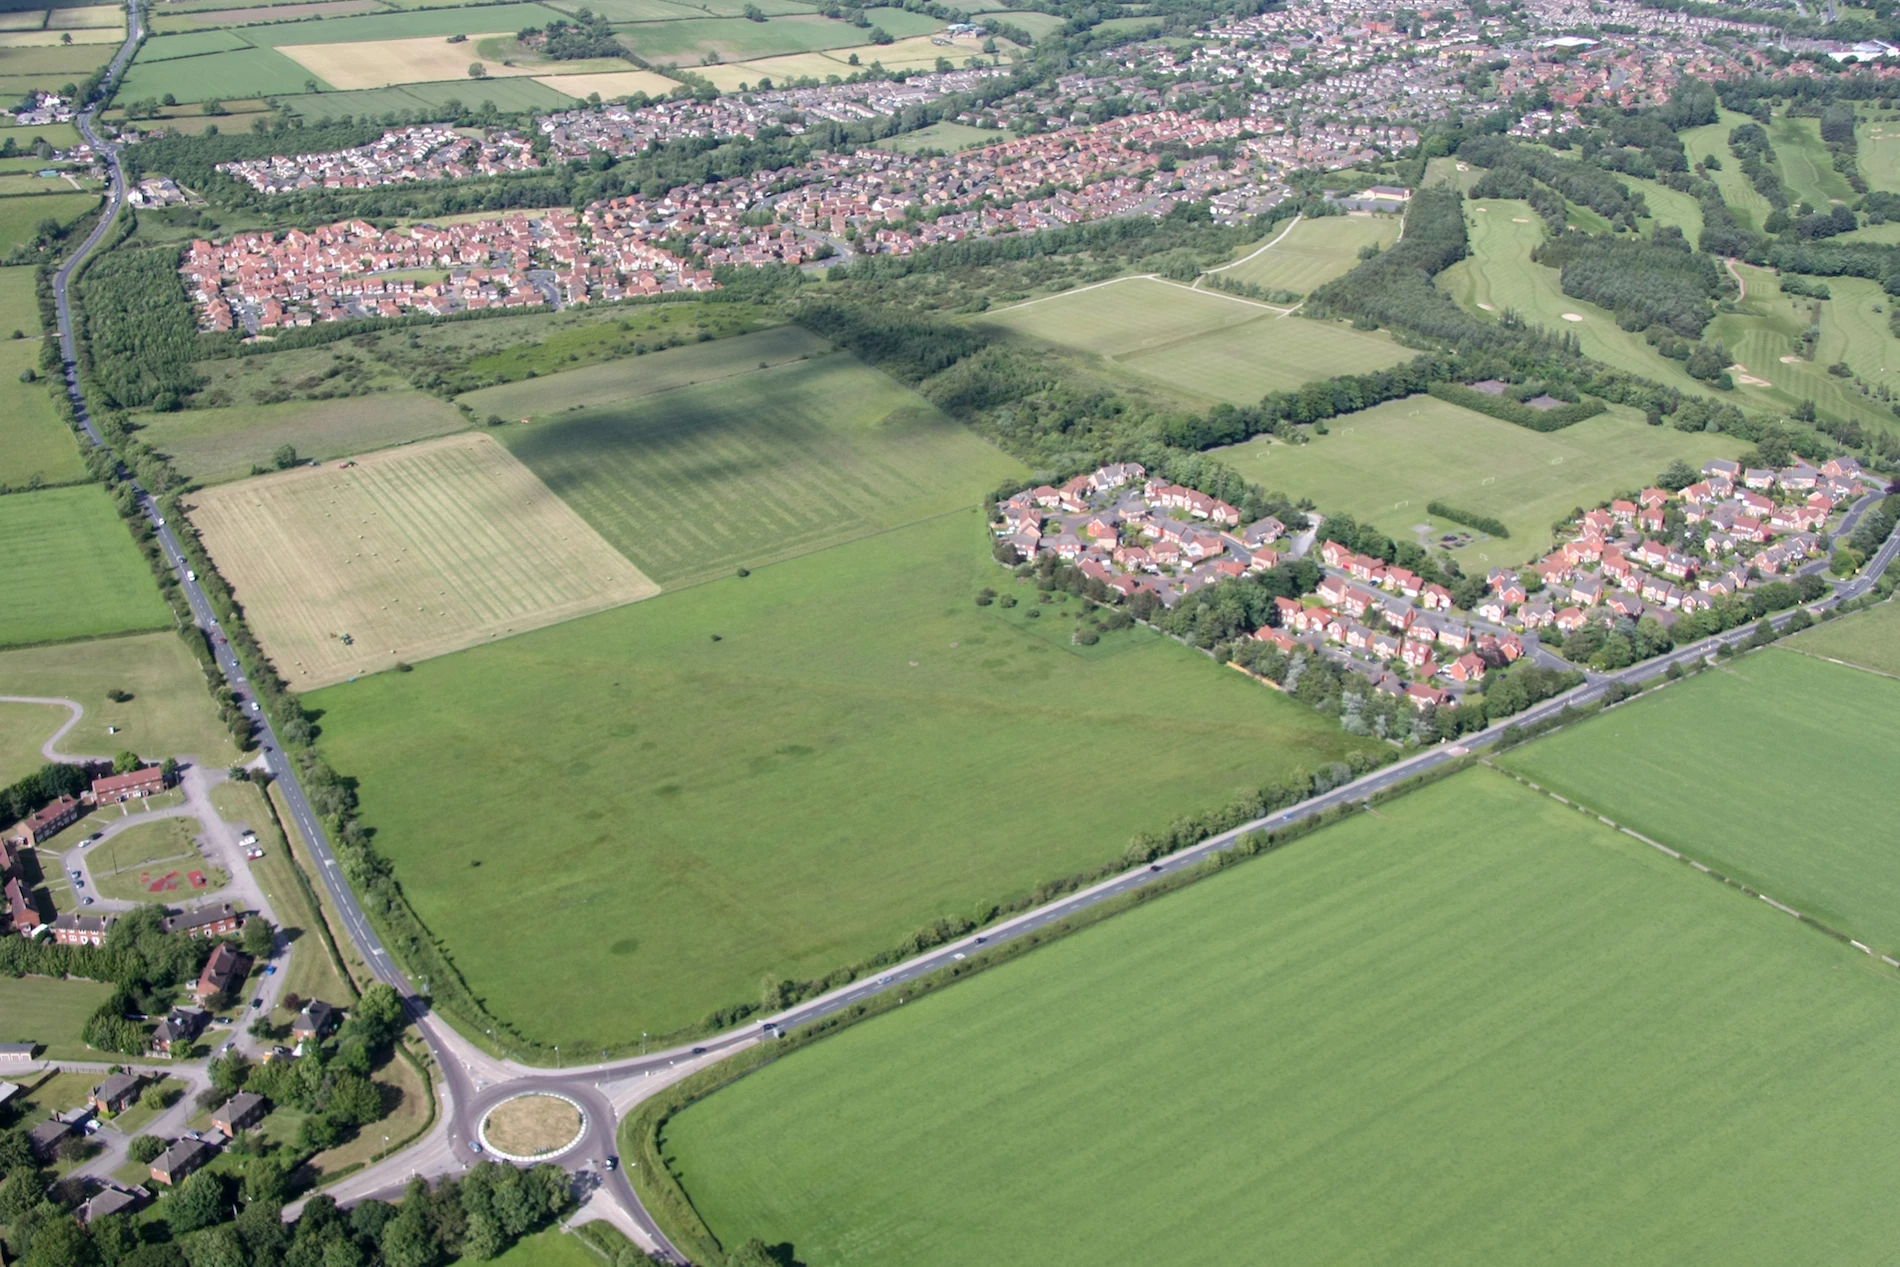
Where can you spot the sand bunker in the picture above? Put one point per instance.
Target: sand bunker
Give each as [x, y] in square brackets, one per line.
[1573, 316]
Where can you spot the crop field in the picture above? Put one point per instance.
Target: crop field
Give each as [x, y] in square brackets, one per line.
[630, 377]
[1868, 639]
[1474, 987]
[1806, 166]
[1382, 465]
[1312, 253]
[169, 712]
[758, 467]
[412, 24]
[688, 41]
[732, 757]
[507, 94]
[224, 444]
[34, 441]
[23, 728]
[380, 63]
[951, 138]
[410, 553]
[248, 72]
[1792, 804]
[41, 1010]
[188, 21]
[610, 85]
[70, 569]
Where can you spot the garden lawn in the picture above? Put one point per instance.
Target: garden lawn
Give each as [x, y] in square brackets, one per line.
[1772, 769]
[777, 775]
[1477, 1027]
[71, 569]
[225, 444]
[169, 712]
[35, 443]
[1313, 252]
[757, 467]
[53, 1013]
[1382, 465]
[1869, 639]
[20, 217]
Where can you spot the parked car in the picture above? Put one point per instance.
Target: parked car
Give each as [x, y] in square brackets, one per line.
[474, 1146]
[85, 901]
[258, 1001]
[271, 971]
[613, 1163]
[74, 873]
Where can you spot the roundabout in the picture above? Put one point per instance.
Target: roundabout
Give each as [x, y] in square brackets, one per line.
[533, 1126]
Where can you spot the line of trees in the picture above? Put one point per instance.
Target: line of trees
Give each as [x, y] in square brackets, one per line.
[1650, 281]
[1469, 518]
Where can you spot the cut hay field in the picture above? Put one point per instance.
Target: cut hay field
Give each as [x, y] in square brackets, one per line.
[247, 72]
[20, 217]
[1869, 639]
[1382, 465]
[776, 774]
[1772, 769]
[70, 569]
[381, 63]
[757, 467]
[611, 84]
[54, 1013]
[224, 444]
[1532, 1038]
[630, 377]
[411, 553]
[1210, 345]
[169, 712]
[1312, 253]
[34, 441]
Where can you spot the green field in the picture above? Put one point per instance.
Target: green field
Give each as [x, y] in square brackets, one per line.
[246, 72]
[224, 444]
[124, 866]
[165, 48]
[507, 94]
[170, 712]
[1312, 253]
[412, 24]
[1668, 206]
[1037, 24]
[757, 467]
[1853, 329]
[634, 334]
[1790, 804]
[1211, 345]
[948, 137]
[58, 135]
[552, 1248]
[609, 382]
[70, 569]
[1878, 153]
[712, 771]
[23, 728]
[1476, 1028]
[1750, 208]
[41, 1010]
[34, 440]
[1382, 465]
[1869, 639]
[20, 218]
[687, 42]
[1807, 169]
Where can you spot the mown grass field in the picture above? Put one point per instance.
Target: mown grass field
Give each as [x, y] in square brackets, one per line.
[1750, 208]
[23, 728]
[1770, 770]
[949, 137]
[41, 1010]
[410, 553]
[507, 94]
[731, 761]
[1478, 1027]
[58, 135]
[169, 712]
[608, 382]
[735, 39]
[20, 217]
[224, 444]
[126, 866]
[70, 569]
[552, 1248]
[1877, 150]
[1382, 465]
[1869, 639]
[1806, 166]
[1312, 253]
[1210, 345]
[757, 467]
[34, 440]
[1763, 335]
[405, 25]
[246, 72]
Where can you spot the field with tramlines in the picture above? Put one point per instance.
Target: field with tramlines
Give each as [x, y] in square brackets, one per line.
[405, 554]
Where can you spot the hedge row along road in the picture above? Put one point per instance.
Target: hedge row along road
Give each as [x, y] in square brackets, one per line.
[470, 1081]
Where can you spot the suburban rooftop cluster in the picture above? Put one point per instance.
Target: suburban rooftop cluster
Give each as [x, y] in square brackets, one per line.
[424, 153]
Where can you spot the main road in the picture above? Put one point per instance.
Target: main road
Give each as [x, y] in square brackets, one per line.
[469, 1081]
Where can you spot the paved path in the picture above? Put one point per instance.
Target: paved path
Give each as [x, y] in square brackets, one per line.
[50, 749]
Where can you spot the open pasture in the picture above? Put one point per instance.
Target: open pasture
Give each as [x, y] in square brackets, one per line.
[86, 39]
[609, 84]
[379, 63]
[225, 444]
[758, 467]
[1382, 465]
[410, 553]
[166, 48]
[1312, 253]
[1771, 769]
[1115, 319]
[507, 94]
[174, 21]
[550, 344]
[20, 217]
[35, 443]
[58, 135]
[1037, 24]
[19, 310]
[687, 42]
[245, 72]
[374, 28]
[53, 1013]
[728, 760]
[1870, 640]
[70, 569]
[1534, 1040]
[23, 728]
[951, 138]
[634, 376]
[74, 17]
[169, 712]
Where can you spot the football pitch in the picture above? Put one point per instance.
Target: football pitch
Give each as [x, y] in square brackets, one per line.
[1773, 769]
[755, 467]
[1474, 1027]
[1382, 465]
[778, 775]
[70, 569]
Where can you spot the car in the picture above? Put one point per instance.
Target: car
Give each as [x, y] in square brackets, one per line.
[699, 1051]
[959, 956]
[474, 1146]
[271, 971]
[161, 521]
[85, 901]
[74, 873]
[1154, 866]
[79, 884]
[258, 1001]
[254, 706]
[613, 1163]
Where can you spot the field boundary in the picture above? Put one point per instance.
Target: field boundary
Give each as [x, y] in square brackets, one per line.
[1845, 664]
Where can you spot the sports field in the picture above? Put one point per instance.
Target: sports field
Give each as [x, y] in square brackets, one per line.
[1667, 206]
[169, 712]
[34, 441]
[41, 1010]
[1772, 769]
[1878, 153]
[1197, 341]
[410, 553]
[70, 569]
[20, 217]
[1311, 253]
[757, 467]
[781, 773]
[1382, 465]
[609, 382]
[224, 444]
[377, 64]
[1762, 335]
[1477, 1027]
[1869, 639]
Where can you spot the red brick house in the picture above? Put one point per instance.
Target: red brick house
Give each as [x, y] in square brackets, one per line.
[114, 788]
[46, 822]
[205, 921]
[1467, 668]
[223, 973]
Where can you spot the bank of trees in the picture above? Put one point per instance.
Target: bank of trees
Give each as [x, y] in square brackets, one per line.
[138, 334]
[1645, 282]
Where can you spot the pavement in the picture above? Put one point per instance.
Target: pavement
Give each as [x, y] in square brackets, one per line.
[50, 749]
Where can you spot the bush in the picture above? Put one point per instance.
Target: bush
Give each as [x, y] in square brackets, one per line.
[1470, 519]
[145, 1149]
